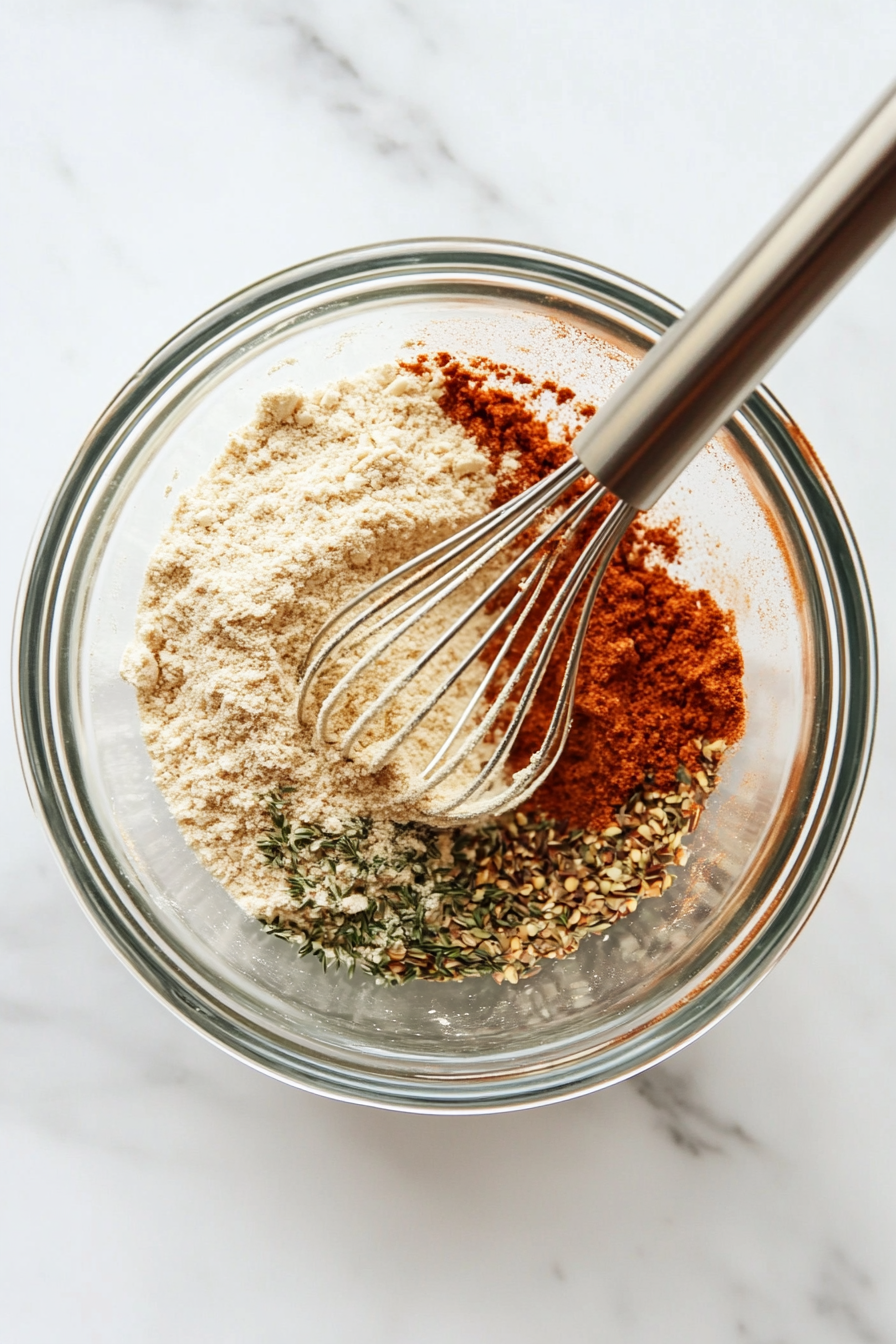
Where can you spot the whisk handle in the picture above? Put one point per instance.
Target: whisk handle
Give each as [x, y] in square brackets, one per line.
[709, 361]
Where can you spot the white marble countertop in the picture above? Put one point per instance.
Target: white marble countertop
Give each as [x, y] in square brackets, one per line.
[155, 157]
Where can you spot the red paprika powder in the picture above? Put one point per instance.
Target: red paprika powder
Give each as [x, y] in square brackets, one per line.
[661, 665]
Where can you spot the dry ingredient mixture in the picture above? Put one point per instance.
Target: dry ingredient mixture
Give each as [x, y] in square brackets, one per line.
[309, 504]
[494, 899]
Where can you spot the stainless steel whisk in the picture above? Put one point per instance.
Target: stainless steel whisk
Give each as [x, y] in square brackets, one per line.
[688, 385]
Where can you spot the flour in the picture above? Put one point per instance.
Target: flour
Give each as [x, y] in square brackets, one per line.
[313, 501]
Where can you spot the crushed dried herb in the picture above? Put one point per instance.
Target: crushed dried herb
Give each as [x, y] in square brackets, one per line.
[495, 899]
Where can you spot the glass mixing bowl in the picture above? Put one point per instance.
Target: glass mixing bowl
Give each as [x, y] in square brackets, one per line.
[765, 533]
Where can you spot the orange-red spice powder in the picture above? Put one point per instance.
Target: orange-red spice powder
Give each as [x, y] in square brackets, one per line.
[661, 665]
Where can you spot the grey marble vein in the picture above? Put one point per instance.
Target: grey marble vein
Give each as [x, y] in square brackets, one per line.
[398, 130]
[689, 1122]
[844, 1299]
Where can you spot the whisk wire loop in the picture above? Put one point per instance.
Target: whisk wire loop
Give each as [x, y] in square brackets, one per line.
[594, 560]
[522, 508]
[530, 589]
[414, 591]
[693, 379]
[459, 575]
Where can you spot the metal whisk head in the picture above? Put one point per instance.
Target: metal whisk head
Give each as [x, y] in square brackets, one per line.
[654, 424]
[465, 776]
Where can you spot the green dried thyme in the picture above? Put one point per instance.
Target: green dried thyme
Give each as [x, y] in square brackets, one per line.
[407, 902]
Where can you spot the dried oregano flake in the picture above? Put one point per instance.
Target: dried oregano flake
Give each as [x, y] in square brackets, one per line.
[406, 902]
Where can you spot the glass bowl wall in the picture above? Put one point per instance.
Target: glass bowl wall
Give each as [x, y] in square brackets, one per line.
[765, 533]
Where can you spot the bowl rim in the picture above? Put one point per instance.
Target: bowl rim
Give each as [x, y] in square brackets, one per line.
[34, 672]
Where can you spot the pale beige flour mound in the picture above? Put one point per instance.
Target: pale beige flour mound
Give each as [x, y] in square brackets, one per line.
[308, 505]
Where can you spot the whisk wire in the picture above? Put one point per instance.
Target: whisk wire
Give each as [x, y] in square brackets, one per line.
[449, 583]
[558, 729]
[597, 553]
[534, 584]
[534, 581]
[531, 589]
[528, 504]
[427, 581]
